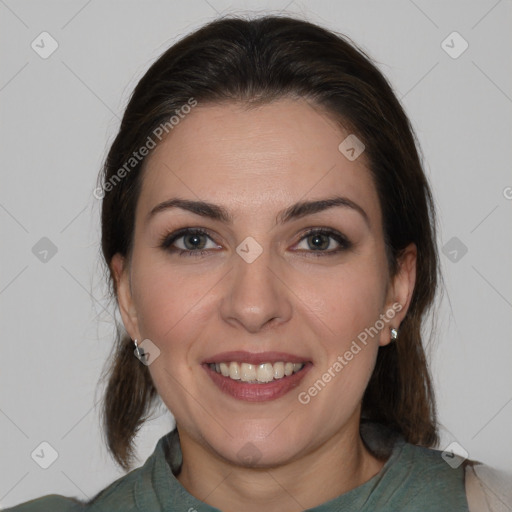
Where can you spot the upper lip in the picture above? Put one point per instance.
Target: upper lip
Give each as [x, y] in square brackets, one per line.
[255, 357]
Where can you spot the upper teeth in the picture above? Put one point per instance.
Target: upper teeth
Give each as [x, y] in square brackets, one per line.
[264, 372]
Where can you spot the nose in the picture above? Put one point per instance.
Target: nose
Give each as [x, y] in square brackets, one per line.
[255, 294]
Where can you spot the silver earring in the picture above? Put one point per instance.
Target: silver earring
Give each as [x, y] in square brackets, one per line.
[394, 333]
[138, 353]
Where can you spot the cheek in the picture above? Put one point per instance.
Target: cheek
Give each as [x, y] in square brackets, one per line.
[169, 302]
[347, 301]
[336, 387]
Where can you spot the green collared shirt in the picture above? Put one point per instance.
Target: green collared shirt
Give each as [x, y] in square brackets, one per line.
[412, 479]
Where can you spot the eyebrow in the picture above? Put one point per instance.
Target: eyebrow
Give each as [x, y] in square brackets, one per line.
[295, 211]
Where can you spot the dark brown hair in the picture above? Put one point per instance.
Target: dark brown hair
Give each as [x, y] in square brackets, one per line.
[255, 62]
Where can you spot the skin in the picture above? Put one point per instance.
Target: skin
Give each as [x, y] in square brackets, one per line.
[256, 163]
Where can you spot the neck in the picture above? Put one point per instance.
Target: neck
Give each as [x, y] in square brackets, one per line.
[337, 466]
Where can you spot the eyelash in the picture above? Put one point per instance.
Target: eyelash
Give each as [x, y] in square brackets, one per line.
[167, 241]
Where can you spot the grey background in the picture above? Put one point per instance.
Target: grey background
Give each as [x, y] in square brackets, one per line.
[58, 116]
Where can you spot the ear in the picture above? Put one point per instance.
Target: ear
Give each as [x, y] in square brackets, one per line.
[400, 292]
[121, 272]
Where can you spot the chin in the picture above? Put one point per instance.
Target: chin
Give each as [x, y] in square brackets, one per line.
[256, 450]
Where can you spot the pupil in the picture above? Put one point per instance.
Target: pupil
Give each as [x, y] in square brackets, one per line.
[193, 241]
[319, 241]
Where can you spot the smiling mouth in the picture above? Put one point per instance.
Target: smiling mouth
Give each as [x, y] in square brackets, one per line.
[256, 373]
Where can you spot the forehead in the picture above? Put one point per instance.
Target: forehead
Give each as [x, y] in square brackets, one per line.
[254, 160]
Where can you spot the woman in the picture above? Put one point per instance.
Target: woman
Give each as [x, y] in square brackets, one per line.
[270, 238]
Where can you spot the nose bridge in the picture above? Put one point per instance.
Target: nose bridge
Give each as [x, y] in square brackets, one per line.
[255, 295]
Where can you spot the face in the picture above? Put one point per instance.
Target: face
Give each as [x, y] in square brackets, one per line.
[233, 290]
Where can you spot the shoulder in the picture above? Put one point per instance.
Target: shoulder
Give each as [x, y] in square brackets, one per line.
[134, 491]
[418, 478]
[474, 486]
[122, 495]
[488, 489]
[413, 477]
[53, 502]
[119, 496]
[432, 466]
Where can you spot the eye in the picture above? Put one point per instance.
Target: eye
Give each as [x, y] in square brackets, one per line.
[198, 242]
[323, 242]
[188, 242]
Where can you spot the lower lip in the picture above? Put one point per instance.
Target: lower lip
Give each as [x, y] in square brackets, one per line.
[257, 392]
